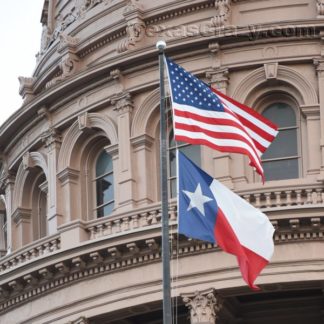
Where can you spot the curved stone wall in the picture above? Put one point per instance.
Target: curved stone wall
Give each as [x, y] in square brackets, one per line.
[96, 87]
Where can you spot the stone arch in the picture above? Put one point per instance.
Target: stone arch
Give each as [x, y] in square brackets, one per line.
[85, 122]
[287, 75]
[141, 122]
[30, 160]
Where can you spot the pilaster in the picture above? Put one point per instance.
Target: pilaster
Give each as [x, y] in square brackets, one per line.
[22, 219]
[313, 125]
[52, 140]
[7, 182]
[142, 148]
[124, 106]
[319, 64]
[69, 179]
[204, 306]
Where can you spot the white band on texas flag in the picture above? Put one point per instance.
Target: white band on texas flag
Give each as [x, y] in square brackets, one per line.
[210, 211]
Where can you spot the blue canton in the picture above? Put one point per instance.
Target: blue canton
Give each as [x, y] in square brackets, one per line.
[188, 90]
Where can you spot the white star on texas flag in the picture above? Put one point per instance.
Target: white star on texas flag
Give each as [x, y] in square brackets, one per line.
[197, 199]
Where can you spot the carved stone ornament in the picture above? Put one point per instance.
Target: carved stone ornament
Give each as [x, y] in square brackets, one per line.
[26, 87]
[204, 306]
[320, 7]
[68, 66]
[223, 11]
[67, 41]
[123, 103]
[135, 32]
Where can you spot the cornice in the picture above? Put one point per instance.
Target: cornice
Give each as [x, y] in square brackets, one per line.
[107, 256]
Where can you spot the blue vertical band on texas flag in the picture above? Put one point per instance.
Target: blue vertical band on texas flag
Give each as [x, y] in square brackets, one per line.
[209, 211]
[194, 183]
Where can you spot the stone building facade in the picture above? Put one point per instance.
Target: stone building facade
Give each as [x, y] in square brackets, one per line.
[80, 219]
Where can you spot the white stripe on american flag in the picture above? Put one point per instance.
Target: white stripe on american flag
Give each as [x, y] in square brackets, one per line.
[254, 120]
[213, 123]
[213, 128]
[219, 142]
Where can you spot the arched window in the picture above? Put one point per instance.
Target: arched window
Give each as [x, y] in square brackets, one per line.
[281, 160]
[191, 151]
[104, 181]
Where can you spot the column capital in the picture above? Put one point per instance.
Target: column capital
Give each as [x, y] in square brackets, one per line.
[204, 306]
[123, 103]
[218, 78]
[51, 137]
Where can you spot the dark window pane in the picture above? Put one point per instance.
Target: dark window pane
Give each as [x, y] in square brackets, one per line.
[104, 164]
[173, 187]
[105, 210]
[285, 144]
[105, 190]
[281, 114]
[283, 169]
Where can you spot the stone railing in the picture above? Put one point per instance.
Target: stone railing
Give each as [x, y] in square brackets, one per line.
[287, 196]
[30, 252]
[131, 221]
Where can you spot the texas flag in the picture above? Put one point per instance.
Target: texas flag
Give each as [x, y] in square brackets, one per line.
[209, 211]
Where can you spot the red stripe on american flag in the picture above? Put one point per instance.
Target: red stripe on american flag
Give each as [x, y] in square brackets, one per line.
[247, 109]
[215, 134]
[231, 149]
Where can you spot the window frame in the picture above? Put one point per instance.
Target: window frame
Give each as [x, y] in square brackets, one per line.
[95, 178]
[276, 98]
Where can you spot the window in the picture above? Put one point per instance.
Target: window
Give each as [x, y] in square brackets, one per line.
[104, 182]
[191, 151]
[280, 161]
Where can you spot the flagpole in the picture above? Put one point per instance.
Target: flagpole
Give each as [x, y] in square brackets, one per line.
[167, 314]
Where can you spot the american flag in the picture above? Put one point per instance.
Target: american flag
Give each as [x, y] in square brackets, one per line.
[206, 116]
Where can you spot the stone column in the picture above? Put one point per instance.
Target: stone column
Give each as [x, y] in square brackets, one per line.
[320, 75]
[146, 189]
[124, 178]
[204, 306]
[54, 215]
[7, 184]
[22, 219]
[70, 183]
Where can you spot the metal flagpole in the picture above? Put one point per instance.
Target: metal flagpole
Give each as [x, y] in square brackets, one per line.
[167, 314]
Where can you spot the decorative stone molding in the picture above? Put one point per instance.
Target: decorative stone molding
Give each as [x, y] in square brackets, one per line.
[69, 42]
[68, 66]
[26, 88]
[218, 77]
[83, 121]
[320, 8]
[271, 70]
[223, 11]
[204, 306]
[135, 29]
[21, 215]
[288, 76]
[51, 137]
[102, 260]
[123, 103]
[68, 175]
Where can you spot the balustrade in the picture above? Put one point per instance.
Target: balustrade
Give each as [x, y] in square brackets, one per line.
[30, 252]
